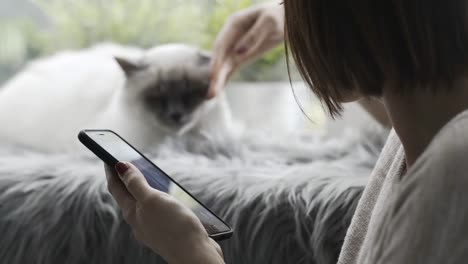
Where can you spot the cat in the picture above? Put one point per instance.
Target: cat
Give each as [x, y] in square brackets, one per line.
[144, 95]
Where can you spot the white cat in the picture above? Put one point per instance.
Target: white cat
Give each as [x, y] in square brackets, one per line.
[144, 96]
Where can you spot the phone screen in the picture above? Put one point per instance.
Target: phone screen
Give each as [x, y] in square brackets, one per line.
[156, 178]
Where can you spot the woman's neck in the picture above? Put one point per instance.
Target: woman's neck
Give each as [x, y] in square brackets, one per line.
[418, 117]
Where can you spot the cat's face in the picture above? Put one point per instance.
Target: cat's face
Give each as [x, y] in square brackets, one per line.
[175, 99]
[169, 84]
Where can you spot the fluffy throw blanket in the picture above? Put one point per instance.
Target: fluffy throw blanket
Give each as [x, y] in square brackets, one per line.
[289, 199]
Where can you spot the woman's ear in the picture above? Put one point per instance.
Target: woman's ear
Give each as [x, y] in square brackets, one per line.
[129, 66]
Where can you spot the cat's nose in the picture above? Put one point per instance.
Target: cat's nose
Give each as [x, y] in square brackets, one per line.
[176, 117]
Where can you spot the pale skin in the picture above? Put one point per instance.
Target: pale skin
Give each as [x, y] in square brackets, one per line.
[245, 36]
[173, 231]
[159, 221]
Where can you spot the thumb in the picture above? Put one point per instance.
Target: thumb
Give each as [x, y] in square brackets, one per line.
[133, 180]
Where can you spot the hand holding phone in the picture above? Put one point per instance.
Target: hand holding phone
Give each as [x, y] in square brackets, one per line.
[159, 221]
[163, 215]
[111, 148]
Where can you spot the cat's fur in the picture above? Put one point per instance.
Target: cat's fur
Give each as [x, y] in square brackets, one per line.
[143, 95]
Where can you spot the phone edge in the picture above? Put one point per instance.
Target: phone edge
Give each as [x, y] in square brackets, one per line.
[111, 161]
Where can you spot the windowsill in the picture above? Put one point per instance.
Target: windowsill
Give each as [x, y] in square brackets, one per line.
[272, 106]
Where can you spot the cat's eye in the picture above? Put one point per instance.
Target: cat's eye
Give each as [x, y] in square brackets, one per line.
[155, 100]
[192, 101]
[188, 101]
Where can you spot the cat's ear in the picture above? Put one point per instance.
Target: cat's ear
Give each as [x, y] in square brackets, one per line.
[204, 57]
[129, 66]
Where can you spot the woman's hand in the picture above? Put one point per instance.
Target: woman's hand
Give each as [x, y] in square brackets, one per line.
[246, 35]
[159, 221]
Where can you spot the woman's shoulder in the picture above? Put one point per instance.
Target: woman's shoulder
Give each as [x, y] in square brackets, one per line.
[445, 161]
[452, 139]
[426, 223]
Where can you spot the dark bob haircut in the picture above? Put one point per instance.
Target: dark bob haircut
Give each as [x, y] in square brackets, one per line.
[344, 46]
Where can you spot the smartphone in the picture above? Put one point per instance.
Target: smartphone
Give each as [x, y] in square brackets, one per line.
[112, 148]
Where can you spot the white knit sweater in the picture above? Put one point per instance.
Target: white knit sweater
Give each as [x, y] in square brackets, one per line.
[419, 216]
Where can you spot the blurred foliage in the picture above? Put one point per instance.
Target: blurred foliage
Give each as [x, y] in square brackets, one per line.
[145, 23]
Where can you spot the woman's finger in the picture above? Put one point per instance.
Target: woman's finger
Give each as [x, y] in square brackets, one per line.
[247, 41]
[249, 46]
[134, 181]
[223, 45]
[219, 61]
[216, 62]
[118, 190]
[217, 83]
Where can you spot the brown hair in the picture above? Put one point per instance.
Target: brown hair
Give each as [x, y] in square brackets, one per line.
[343, 46]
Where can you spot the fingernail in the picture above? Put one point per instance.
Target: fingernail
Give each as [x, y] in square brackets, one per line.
[121, 168]
[241, 49]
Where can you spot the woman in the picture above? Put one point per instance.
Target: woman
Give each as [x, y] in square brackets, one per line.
[413, 57]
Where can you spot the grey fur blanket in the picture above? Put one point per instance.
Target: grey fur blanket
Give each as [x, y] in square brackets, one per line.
[289, 199]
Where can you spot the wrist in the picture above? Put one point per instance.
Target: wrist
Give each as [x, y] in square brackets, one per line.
[199, 251]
